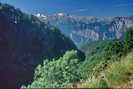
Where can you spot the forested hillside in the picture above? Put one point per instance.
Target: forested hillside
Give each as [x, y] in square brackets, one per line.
[35, 54]
[24, 41]
[109, 68]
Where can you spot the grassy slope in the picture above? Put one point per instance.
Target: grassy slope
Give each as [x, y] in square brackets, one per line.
[119, 74]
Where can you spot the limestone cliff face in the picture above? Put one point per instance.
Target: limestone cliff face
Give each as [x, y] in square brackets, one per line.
[84, 29]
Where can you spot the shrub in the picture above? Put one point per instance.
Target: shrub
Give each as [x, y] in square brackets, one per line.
[115, 47]
[129, 38]
[116, 75]
[57, 73]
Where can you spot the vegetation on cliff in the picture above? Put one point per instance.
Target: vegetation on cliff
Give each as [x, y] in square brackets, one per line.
[109, 68]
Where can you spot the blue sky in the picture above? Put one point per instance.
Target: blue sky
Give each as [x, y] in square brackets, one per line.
[99, 8]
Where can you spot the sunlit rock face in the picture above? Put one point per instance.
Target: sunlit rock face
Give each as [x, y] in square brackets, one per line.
[82, 29]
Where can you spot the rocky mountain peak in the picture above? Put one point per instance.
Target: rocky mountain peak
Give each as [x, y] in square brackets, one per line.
[82, 29]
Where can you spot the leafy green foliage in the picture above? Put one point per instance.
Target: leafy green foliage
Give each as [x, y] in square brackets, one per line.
[94, 47]
[57, 73]
[129, 38]
[116, 75]
[116, 47]
[68, 69]
[120, 47]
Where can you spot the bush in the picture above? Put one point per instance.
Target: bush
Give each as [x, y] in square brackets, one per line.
[57, 73]
[118, 74]
[92, 48]
[120, 47]
[129, 38]
[116, 47]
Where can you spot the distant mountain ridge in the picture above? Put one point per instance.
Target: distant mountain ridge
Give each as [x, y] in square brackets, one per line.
[84, 29]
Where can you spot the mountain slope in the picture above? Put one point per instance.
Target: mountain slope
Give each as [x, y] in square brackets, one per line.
[109, 67]
[118, 74]
[24, 40]
[94, 47]
[82, 29]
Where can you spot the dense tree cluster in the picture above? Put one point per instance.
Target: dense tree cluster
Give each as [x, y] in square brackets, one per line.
[57, 73]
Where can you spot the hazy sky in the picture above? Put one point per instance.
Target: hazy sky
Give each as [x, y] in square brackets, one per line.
[100, 8]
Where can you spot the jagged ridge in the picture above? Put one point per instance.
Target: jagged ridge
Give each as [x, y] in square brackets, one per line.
[82, 29]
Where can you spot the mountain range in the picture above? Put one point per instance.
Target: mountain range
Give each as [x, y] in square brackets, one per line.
[85, 29]
[36, 50]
